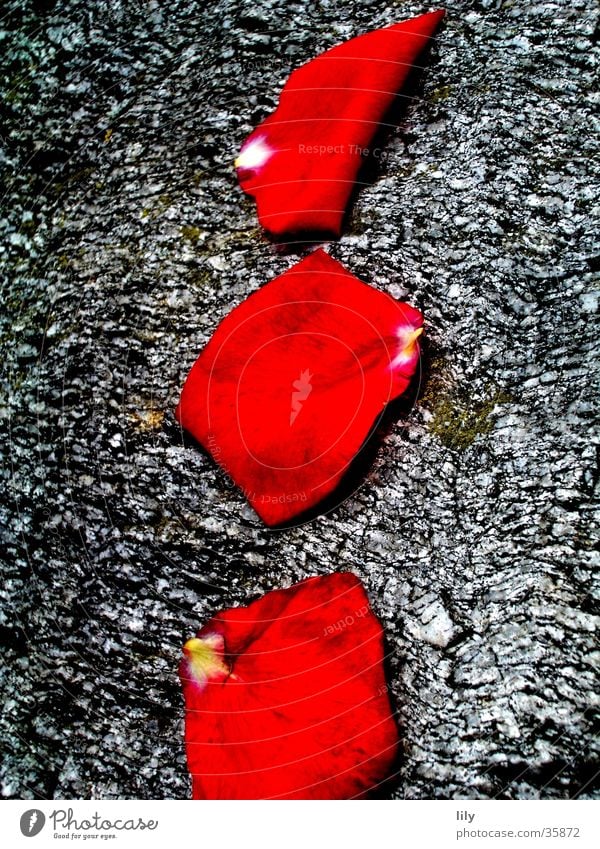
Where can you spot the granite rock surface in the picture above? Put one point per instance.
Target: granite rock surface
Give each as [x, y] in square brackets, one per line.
[125, 239]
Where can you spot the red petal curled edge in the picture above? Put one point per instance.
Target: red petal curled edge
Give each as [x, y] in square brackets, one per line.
[304, 712]
[293, 380]
[301, 163]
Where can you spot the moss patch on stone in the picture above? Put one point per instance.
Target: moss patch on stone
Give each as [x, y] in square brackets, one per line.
[190, 233]
[440, 94]
[457, 419]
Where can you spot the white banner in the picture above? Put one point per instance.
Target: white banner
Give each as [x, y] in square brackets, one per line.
[305, 825]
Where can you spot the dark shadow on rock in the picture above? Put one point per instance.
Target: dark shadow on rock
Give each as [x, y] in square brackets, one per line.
[393, 119]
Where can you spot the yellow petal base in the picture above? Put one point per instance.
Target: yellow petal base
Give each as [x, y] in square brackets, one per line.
[205, 658]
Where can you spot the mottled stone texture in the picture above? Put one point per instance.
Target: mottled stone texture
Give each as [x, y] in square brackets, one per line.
[125, 239]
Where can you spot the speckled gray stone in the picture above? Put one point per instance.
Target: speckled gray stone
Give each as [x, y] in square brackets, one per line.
[125, 239]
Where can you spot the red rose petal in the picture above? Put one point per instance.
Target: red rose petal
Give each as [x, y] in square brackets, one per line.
[301, 711]
[288, 388]
[301, 163]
